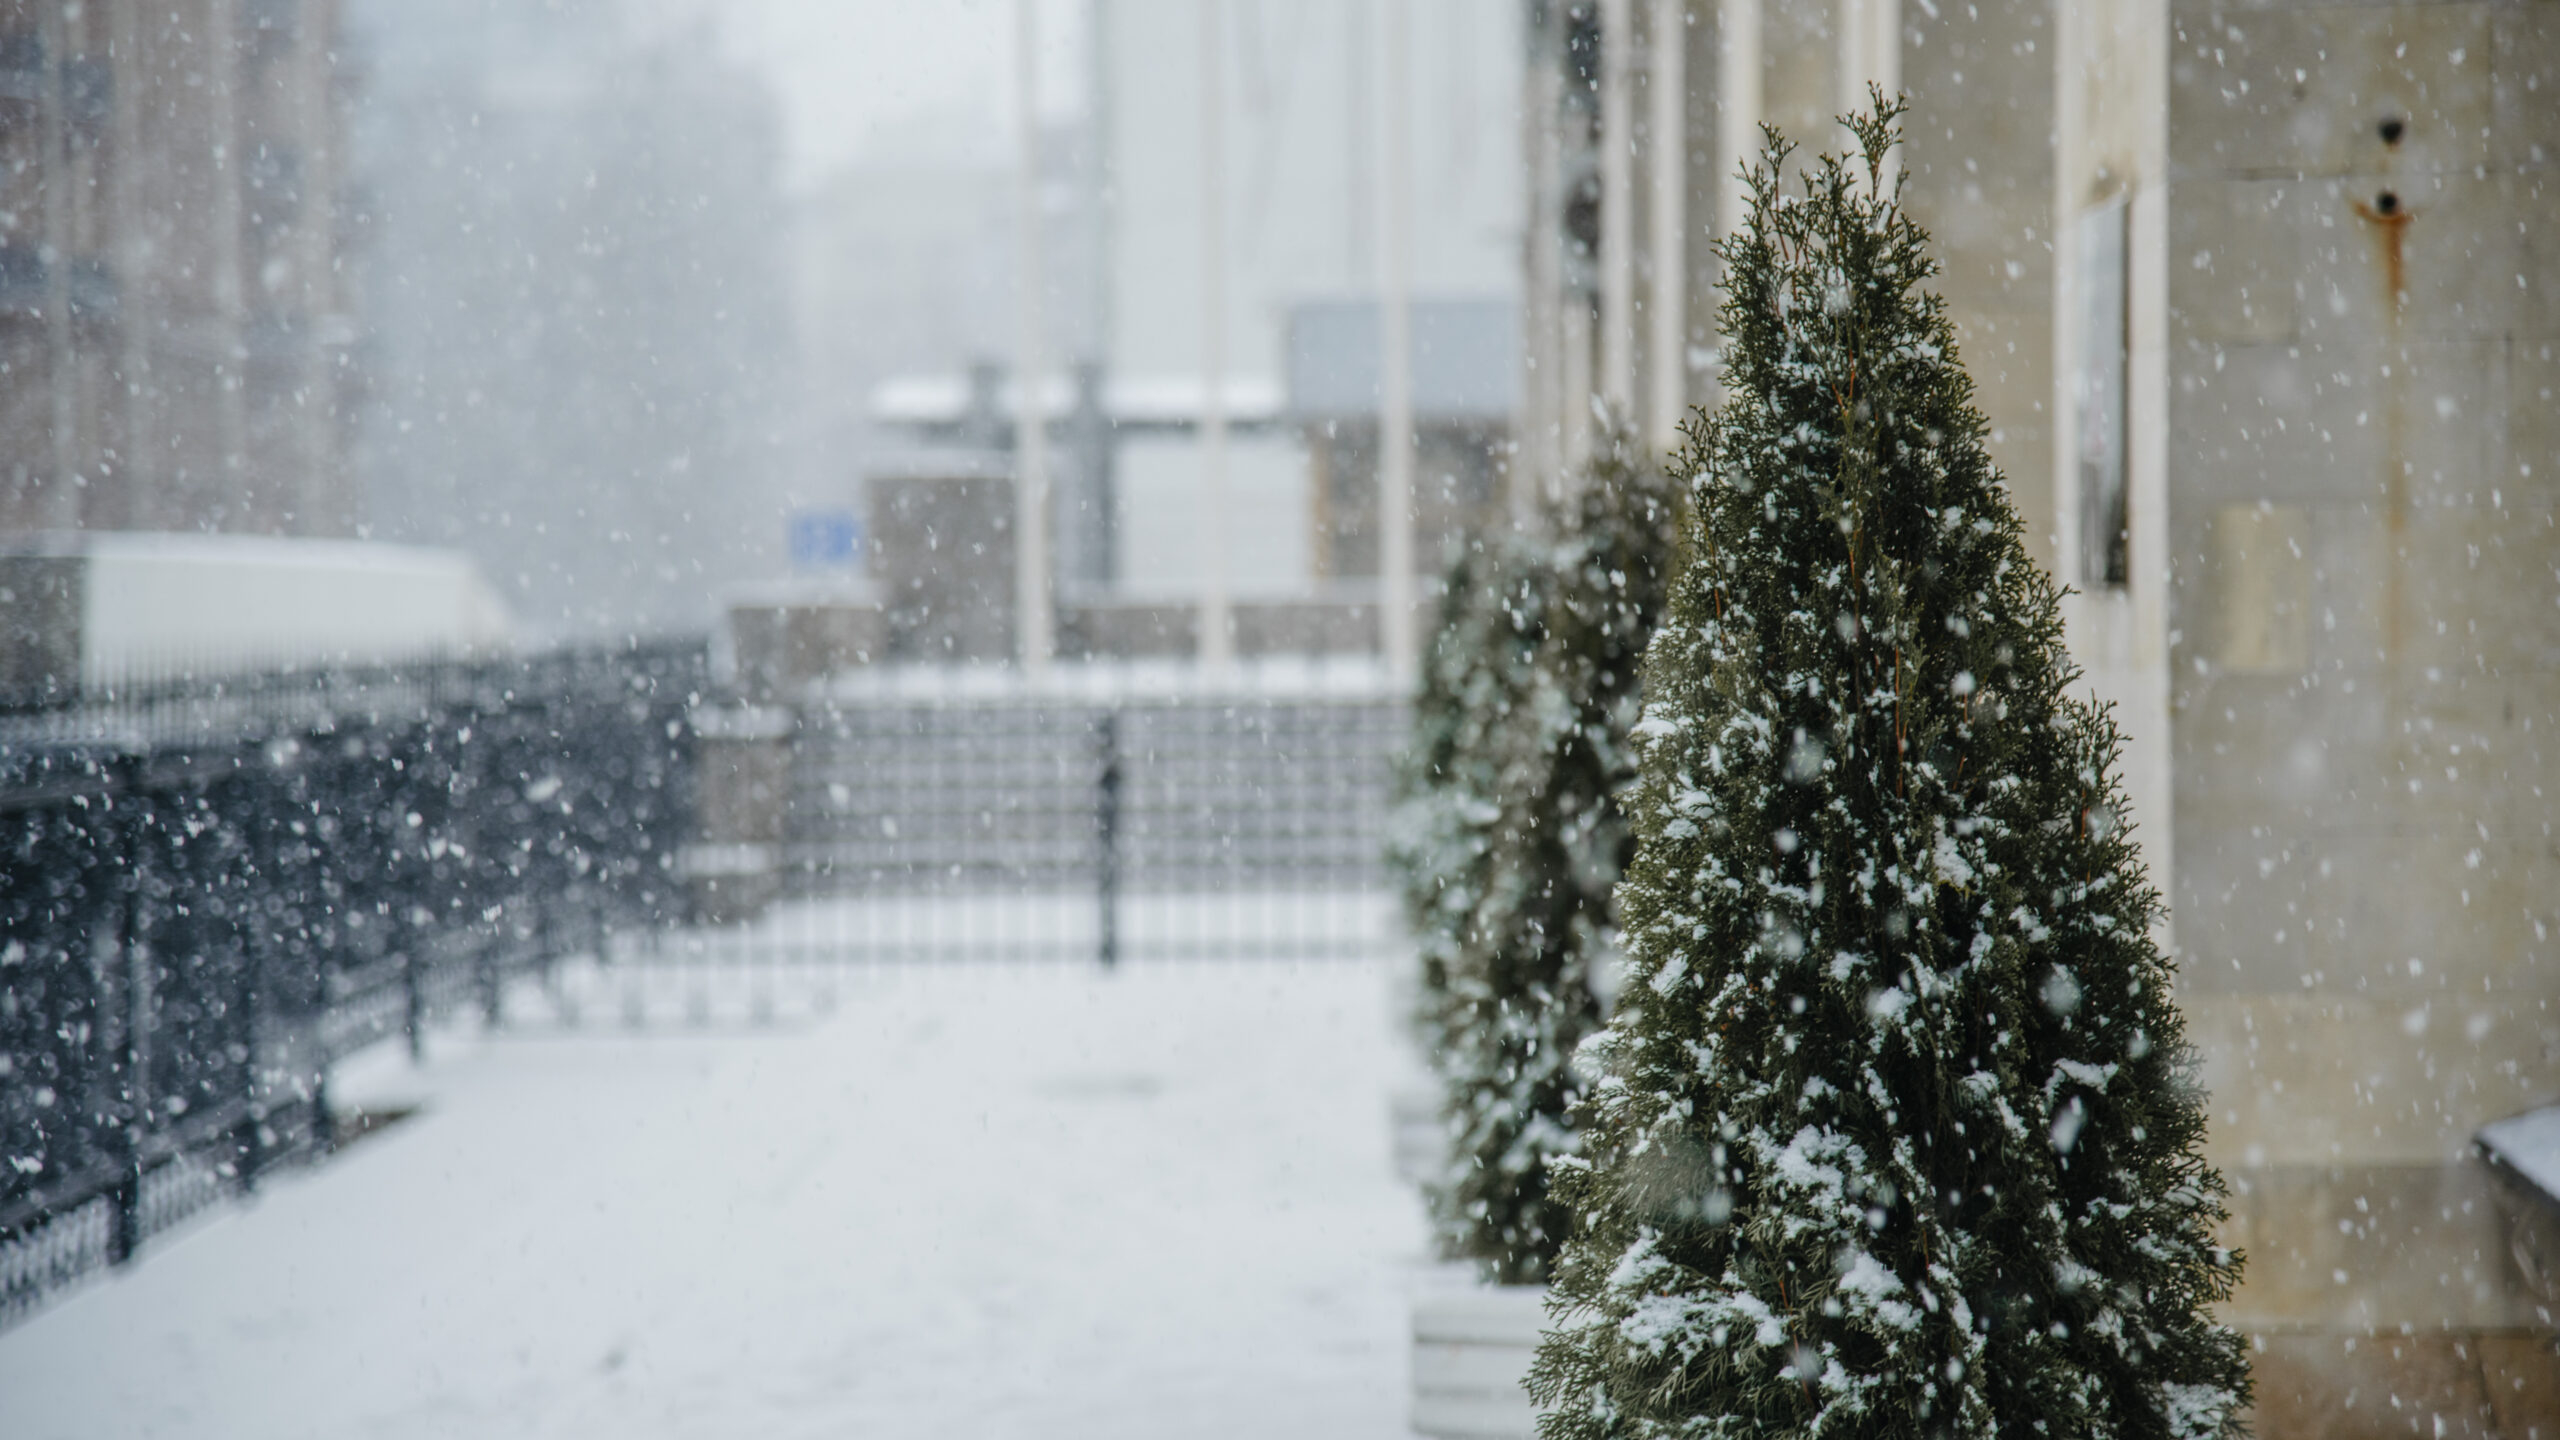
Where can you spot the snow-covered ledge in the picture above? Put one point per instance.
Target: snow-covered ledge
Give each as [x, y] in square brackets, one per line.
[1472, 1345]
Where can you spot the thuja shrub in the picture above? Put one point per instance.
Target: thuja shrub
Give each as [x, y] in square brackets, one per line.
[1894, 1131]
[1516, 912]
[1474, 692]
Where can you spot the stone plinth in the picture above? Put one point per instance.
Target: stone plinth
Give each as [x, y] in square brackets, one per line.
[1472, 1345]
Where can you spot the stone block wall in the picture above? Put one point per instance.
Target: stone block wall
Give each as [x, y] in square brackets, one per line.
[2361, 534]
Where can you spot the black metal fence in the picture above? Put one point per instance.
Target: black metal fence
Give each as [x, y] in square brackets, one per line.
[1033, 793]
[1098, 814]
[207, 893]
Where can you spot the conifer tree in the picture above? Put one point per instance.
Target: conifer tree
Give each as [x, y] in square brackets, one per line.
[1894, 1132]
[1525, 920]
[1476, 678]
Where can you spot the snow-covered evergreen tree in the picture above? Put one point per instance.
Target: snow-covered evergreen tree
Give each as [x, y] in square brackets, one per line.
[1477, 681]
[1894, 1132]
[1534, 842]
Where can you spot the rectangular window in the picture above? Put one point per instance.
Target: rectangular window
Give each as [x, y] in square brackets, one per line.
[2105, 528]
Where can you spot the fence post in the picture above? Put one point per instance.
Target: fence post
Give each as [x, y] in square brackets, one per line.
[256, 828]
[253, 1114]
[124, 1233]
[546, 944]
[413, 994]
[1106, 824]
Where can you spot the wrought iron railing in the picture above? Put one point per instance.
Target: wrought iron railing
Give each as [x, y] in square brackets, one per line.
[1098, 814]
[208, 892]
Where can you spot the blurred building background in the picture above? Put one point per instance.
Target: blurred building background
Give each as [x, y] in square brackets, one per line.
[2260, 304]
[576, 305]
[507, 280]
[908, 293]
[174, 315]
[1298, 91]
[2261, 308]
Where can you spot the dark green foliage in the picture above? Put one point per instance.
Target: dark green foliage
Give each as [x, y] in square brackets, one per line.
[1523, 749]
[1894, 1132]
[1476, 723]
[1476, 680]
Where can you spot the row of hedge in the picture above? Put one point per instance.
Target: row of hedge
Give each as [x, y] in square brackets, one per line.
[1891, 1128]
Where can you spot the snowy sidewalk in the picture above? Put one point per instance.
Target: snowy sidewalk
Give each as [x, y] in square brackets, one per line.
[973, 1203]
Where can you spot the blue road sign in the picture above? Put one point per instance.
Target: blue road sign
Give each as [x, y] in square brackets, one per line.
[825, 539]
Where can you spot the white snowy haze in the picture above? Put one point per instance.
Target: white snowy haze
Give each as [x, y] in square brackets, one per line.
[578, 276]
[575, 317]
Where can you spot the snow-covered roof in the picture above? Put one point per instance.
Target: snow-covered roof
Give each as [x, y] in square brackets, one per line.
[165, 605]
[2528, 1144]
[1179, 399]
[921, 400]
[813, 591]
[1162, 400]
[1287, 677]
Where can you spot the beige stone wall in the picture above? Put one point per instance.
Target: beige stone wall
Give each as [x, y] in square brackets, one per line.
[2336, 658]
[2365, 656]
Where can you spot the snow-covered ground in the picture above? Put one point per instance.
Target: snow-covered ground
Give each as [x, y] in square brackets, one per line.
[1263, 924]
[987, 1202]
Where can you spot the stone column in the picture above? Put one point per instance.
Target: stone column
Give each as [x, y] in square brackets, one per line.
[2344, 331]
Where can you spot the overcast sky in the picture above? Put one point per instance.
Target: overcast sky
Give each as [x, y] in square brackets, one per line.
[898, 74]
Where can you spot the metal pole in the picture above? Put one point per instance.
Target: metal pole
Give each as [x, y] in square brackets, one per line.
[1096, 448]
[62, 365]
[1031, 363]
[324, 1126]
[1360, 158]
[1668, 76]
[493, 1010]
[128, 196]
[258, 795]
[124, 1234]
[1738, 97]
[1541, 453]
[413, 996]
[321, 499]
[1106, 825]
[1617, 206]
[222, 104]
[1217, 642]
[1395, 361]
[1738, 74]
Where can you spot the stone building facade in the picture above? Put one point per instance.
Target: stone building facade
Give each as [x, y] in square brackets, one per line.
[175, 352]
[2263, 302]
